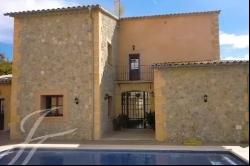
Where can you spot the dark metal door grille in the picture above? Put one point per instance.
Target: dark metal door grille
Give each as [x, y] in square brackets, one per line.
[135, 105]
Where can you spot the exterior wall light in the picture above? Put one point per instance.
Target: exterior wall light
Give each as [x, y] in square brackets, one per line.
[205, 98]
[133, 47]
[106, 96]
[76, 100]
[152, 94]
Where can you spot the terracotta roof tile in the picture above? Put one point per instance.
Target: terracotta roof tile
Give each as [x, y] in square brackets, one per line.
[198, 63]
[5, 79]
[63, 9]
[12, 14]
[171, 14]
[73, 8]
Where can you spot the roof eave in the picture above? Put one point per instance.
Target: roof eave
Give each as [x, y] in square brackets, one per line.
[199, 63]
[173, 14]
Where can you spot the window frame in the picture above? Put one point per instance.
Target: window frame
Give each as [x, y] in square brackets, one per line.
[43, 104]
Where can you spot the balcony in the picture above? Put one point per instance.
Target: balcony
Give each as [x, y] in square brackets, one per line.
[135, 73]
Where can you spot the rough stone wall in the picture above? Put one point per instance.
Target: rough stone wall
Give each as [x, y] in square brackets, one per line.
[109, 34]
[53, 55]
[182, 114]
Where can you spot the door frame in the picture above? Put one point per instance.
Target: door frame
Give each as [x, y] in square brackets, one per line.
[136, 116]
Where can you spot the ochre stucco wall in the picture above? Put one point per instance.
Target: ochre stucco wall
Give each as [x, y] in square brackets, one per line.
[5, 93]
[53, 54]
[182, 114]
[187, 37]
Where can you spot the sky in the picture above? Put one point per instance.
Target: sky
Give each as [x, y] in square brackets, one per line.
[234, 18]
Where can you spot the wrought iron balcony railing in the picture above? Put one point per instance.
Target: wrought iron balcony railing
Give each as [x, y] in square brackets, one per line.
[134, 73]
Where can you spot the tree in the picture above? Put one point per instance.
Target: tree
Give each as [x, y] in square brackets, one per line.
[5, 65]
[2, 57]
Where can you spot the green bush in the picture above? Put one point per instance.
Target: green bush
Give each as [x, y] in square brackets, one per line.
[5, 65]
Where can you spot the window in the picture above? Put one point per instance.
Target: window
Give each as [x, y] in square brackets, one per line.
[109, 54]
[110, 106]
[134, 64]
[53, 104]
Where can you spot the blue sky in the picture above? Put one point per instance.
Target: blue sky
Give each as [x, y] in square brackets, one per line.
[234, 24]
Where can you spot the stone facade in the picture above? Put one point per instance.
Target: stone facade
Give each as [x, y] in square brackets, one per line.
[182, 113]
[77, 52]
[66, 53]
[53, 56]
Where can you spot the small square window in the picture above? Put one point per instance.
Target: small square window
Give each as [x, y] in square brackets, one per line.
[53, 104]
[110, 54]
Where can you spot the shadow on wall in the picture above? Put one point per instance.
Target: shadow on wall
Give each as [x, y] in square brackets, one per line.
[109, 54]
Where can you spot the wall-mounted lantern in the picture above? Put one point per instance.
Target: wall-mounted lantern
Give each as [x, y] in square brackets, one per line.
[205, 98]
[76, 100]
[106, 96]
[152, 94]
[133, 47]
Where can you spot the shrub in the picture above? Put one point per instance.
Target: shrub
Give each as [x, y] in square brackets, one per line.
[120, 122]
[150, 119]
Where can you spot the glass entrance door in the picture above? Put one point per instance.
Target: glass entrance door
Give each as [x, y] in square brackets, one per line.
[134, 67]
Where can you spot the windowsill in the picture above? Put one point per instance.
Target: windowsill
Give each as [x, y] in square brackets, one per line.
[54, 119]
[133, 81]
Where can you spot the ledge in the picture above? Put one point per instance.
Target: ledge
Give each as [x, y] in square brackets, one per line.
[133, 82]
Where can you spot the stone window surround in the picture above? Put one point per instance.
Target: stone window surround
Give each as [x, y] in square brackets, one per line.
[54, 91]
[58, 102]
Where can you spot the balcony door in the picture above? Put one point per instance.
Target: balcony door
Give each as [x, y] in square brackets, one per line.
[134, 67]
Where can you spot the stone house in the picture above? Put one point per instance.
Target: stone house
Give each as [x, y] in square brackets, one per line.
[93, 66]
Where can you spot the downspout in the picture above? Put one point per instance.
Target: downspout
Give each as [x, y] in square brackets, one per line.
[93, 68]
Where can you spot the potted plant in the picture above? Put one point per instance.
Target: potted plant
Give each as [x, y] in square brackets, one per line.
[120, 122]
[150, 119]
